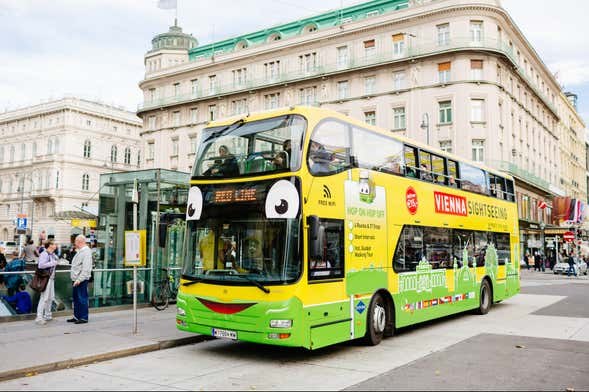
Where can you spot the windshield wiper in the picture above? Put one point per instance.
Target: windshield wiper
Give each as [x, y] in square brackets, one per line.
[225, 130]
[193, 280]
[255, 282]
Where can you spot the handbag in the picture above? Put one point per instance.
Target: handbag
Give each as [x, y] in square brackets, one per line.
[40, 279]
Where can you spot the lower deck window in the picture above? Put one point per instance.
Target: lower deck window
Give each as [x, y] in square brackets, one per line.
[327, 260]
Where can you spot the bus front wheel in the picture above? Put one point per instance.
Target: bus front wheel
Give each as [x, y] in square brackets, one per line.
[485, 298]
[376, 321]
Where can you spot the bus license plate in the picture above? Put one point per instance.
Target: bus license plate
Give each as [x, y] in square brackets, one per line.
[222, 333]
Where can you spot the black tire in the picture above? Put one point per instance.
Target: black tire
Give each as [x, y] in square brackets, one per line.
[485, 298]
[160, 297]
[376, 320]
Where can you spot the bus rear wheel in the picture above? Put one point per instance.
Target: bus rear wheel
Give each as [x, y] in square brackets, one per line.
[376, 321]
[485, 298]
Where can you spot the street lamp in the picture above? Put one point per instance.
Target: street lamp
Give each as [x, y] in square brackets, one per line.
[425, 125]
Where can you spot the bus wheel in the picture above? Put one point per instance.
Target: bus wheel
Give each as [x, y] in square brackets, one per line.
[376, 321]
[485, 300]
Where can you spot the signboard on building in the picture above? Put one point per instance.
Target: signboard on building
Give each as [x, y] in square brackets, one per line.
[569, 236]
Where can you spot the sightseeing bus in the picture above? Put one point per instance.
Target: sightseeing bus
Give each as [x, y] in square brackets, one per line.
[308, 228]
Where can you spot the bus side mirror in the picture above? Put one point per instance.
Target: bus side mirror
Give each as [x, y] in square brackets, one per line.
[316, 237]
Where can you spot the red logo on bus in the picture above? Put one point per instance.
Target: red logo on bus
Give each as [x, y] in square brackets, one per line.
[411, 200]
[450, 204]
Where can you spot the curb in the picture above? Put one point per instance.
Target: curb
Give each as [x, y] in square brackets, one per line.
[69, 363]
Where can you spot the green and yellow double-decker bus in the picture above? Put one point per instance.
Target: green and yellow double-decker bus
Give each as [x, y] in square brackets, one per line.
[308, 228]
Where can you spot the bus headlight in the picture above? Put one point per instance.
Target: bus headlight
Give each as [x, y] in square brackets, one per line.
[280, 323]
[181, 312]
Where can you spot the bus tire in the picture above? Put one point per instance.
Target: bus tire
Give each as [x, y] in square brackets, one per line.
[376, 320]
[485, 297]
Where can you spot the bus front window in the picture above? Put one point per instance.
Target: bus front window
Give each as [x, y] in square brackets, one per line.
[246, 148]
[227, 250]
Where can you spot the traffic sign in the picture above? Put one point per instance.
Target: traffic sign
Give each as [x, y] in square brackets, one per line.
[569, 236]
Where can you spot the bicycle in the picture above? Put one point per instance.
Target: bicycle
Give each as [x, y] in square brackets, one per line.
[164, 290]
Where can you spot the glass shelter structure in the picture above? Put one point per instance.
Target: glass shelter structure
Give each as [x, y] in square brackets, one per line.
[160, 211]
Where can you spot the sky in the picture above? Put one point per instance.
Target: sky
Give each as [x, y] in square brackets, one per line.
[94, 48]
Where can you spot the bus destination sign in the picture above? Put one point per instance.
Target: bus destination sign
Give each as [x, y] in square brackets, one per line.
[235, 195]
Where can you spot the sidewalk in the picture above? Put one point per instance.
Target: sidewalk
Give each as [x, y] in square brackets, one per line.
[27, 348]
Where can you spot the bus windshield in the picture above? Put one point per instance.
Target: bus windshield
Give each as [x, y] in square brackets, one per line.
[243, 249]
[246, 148]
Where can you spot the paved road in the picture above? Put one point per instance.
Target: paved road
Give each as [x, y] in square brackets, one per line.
[532, 341]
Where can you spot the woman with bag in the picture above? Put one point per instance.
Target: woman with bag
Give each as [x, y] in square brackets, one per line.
[47, 261]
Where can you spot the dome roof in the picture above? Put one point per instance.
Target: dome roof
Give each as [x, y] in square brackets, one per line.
[174, 39]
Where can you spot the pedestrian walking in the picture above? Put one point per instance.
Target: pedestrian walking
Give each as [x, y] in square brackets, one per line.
[30, 253]
[571, 261]
[47, 261]
[80, 274]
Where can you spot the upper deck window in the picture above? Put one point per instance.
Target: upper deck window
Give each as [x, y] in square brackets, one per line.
[255, 147]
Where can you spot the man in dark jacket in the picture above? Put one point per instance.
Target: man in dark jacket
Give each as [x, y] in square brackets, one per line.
[571, 261]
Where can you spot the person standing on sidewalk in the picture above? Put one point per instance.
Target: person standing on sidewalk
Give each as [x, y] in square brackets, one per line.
[571, 261]
[47, 260]
[30, 253]
[80, 274]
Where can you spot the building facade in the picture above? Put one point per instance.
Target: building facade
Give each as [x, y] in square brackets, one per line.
[456, 74]
[51, 158]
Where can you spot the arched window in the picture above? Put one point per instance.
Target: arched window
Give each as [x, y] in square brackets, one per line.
[242, 44]
[113, 154]
[310, 28]
[87, 148]
[274, 37]
[127, 156]
[85, 182]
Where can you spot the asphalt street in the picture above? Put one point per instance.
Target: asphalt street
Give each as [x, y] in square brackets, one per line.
[538, 340]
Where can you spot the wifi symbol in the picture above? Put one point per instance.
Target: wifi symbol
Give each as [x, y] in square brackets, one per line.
[326, 192]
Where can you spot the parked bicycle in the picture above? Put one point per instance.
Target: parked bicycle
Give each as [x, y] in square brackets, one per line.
[164, 290]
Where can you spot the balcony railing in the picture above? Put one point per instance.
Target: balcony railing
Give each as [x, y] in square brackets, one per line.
[354, 62]
[523, 175]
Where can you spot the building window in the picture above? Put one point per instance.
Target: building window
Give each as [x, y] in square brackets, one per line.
[87, 148]
[49, 148]
[271, 101]
[239, 77]
[477, 110]
[343, 57]
[176, 118]
[446, 145]
[212, 112]
[193, 144]
[239, 106]
[127, 156]
[399, 80]
[369, 85]
[478, 150]
[399, 118]
[213, 84]
[23, 151]
[444, 70]
[150, 150]
[151, 123]
[369, 48]
[85, 182]
[445, 112]
[2, 152]
[342, 89]
[194, 115]
[398, 45]
[476, 32]
[308, 96]
[175, 147]
[370, 117]
[138, 158]
[194, 87]
[308, 62]
[113, 154]
[443, 34]
[476, 69]
[151, 95]
[57, 179]
[272, 70]
[176, 89]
